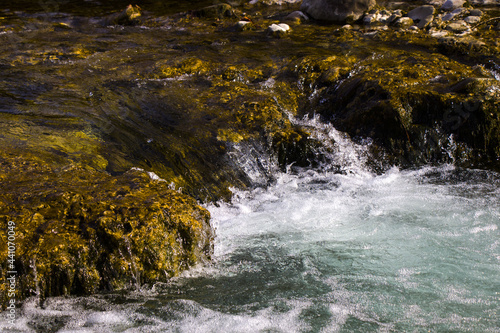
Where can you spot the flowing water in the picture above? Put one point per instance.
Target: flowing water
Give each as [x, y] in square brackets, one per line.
[320, 251]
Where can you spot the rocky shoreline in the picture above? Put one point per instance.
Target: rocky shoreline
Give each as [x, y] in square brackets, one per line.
[116, 128]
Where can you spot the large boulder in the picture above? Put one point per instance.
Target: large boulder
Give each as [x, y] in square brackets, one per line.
[338, 11]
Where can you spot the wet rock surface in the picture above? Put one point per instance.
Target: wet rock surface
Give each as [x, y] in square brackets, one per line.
[81, 231]
[188, 95]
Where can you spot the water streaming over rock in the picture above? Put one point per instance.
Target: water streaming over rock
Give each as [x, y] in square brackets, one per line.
[323, 251]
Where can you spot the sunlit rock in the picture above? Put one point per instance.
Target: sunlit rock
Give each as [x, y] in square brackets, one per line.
[128, 16]
[278, 30]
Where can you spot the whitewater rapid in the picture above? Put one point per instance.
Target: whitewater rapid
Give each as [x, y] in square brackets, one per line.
[404, 251]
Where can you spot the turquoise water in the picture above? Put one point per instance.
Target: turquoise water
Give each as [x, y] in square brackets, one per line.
[405, 251]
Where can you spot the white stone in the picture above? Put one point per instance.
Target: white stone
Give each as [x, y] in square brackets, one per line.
[278, 30]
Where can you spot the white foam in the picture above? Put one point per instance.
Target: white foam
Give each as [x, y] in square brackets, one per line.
[105, 318]
[207, 320]
[490, 227]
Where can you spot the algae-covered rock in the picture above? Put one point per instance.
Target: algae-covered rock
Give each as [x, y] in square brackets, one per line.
[419, 111]
[128, 16]
[218, 11]
[80, 231]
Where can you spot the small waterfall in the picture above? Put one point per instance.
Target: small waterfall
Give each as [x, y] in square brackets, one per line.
[335, 153]
[338, 151]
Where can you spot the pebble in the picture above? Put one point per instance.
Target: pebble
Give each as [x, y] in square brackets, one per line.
[438, 33]
[472, 19]
[370, 19]
[458, 26]
[452, 4]
[375, 17]
[448, 17]
[278, 30]
[404, 22]
[395, 15]
[476, 12]
[422, 15]
[421, 12]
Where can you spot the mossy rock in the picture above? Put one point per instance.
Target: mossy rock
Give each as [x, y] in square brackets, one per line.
[129, 16]
[420, 111]
[219, 11]
[80, 231]
[296, 147]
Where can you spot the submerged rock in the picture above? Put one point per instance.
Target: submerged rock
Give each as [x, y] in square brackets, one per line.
[336, 10]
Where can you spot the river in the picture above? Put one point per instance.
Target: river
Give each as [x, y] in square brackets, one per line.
[335, 247]
[320, 251]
